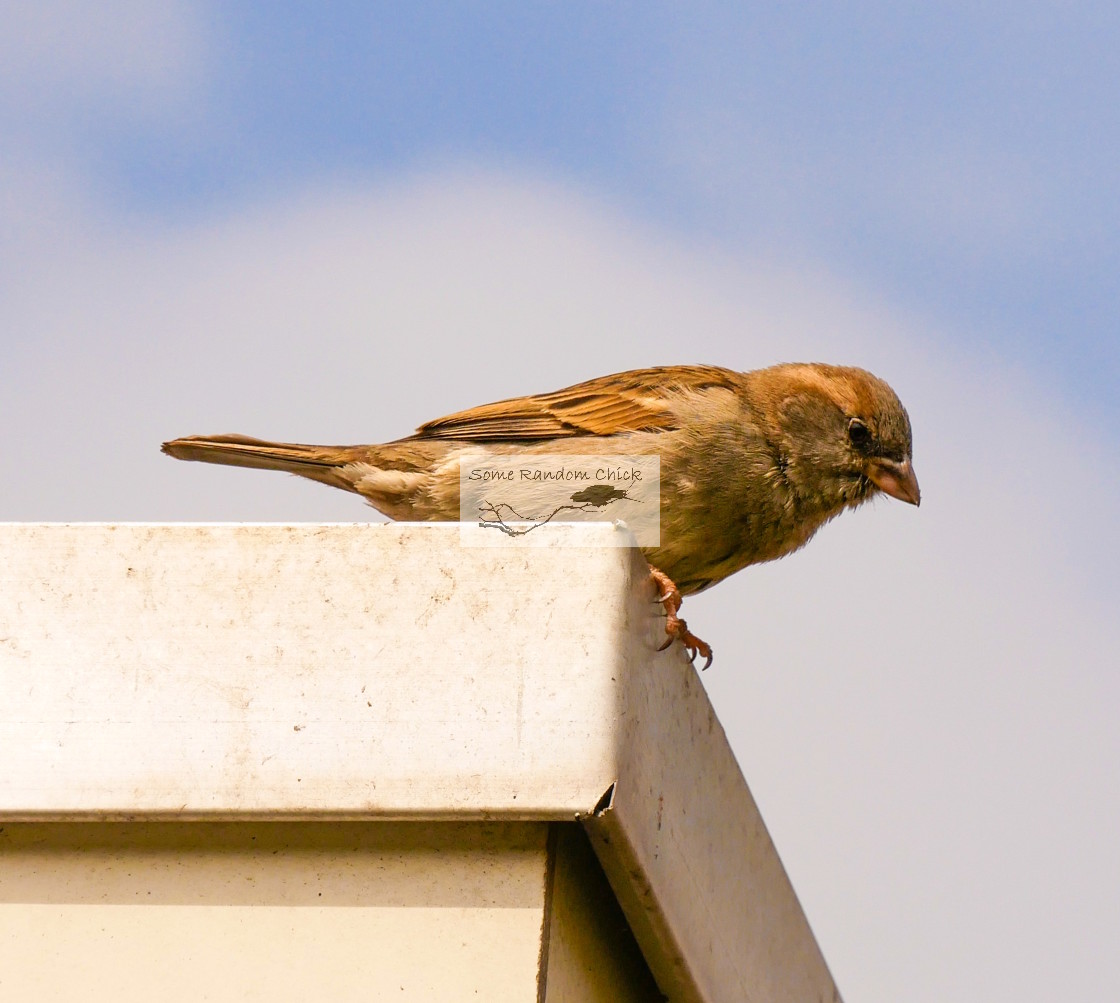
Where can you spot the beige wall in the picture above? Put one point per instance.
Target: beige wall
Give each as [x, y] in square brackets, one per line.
[303, 911]
[591, 955]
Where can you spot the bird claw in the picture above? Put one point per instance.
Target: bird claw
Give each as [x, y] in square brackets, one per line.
[670, 596]
[675, 627]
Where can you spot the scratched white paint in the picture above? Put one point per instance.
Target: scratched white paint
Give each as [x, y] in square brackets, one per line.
[376, 671]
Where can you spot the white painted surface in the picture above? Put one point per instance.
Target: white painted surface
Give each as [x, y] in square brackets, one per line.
[234, 911]
[385, 671]
[305, 669]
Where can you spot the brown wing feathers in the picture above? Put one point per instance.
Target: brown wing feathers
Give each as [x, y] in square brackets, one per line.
[637, 401]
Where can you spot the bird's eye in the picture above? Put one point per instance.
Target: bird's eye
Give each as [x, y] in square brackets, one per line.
[859, 434]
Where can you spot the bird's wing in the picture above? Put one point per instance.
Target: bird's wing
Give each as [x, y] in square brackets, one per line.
[642, 400]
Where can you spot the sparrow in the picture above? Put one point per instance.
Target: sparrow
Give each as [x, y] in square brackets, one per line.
[752, 464]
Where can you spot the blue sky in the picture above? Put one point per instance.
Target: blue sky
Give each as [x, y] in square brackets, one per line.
[333, 226]
[962, 159]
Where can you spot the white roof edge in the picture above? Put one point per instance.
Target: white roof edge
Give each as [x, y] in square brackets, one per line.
[371, 671]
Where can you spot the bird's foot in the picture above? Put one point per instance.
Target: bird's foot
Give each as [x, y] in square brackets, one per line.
[677, 630]
[667, 592]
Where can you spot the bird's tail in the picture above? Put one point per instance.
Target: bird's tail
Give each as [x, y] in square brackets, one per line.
[320, 463]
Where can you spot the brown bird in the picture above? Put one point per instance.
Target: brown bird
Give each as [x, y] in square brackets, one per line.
[752, 464]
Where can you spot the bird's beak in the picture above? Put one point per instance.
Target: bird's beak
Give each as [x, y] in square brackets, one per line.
[895, 479]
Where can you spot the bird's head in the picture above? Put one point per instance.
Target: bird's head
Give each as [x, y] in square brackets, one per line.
[842, 432]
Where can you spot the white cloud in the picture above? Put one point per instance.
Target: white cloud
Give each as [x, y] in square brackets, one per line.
[923, 701]
[127, 53]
